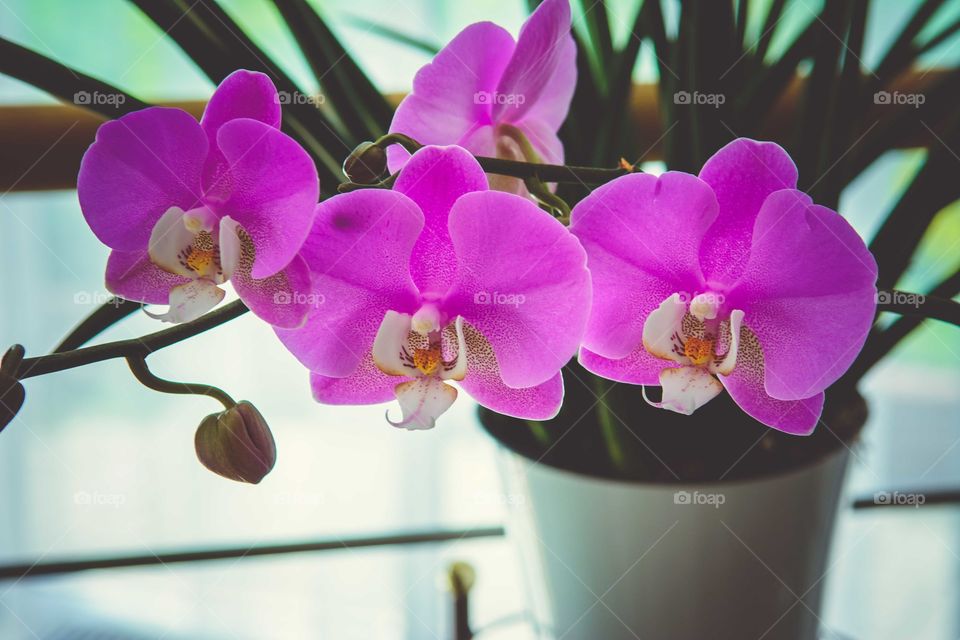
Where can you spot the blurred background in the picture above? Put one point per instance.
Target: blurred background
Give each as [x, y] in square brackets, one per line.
[96, 464]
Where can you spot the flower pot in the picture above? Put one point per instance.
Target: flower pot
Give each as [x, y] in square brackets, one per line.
[609, 559]
[714, 559]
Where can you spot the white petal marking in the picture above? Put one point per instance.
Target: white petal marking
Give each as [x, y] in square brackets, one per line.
[230, 246]
[661, 325]
[168, 238]
[730, 360]
[190, 301]
[392, 337]
[422, 401]
[459, 370]
[686, 389]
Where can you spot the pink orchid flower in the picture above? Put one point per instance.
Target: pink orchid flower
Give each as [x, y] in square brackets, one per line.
[733, 274]
[186, 206]
[441, 280]
[493, 96]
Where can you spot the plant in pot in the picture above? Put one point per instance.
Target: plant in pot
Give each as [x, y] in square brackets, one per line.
[499, 221]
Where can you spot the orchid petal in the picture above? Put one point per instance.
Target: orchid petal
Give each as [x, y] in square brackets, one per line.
[811, 313]
[366, 385]
[435, 178]
[270, 188]
[168, 240]
[746, 386]
[742, 174]
[422, 401]
[133, 276]
[522, 284]
[662, 329]
[637, 367]
[686, 389]
[190, 301]
[359, 256]
[484, 383]
[283, 299]
[642, 235]
[242, 94]
[454, 92]
[542, 69]
[139, 167]
[390, 343]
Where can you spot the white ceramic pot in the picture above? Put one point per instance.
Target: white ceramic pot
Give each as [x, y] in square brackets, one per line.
[738, 560]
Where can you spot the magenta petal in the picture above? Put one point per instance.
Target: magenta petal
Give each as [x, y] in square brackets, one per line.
[366, 385]
[544, 140]
[270, 189]
[242, 94]
[485, 384]
[642, 236]
[434, 178]
[811, 312]
[131, 275]
[542, 69]
[798, 417]
[139, 166]
[742, 174]
[359, 255]
[521, 282]
[637, 367]
[453, 93]
[283, 299]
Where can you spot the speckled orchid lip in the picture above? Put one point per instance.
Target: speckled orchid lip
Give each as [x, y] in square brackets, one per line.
[495, 96]
[730, 279]
[412, 270]
[186, 206]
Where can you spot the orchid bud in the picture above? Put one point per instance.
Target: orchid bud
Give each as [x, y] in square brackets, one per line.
[12, 393]
[237, 444]
[366, 164]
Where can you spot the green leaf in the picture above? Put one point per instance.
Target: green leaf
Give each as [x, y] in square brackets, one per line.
[363, 110]
[428, 47]
[61, 81]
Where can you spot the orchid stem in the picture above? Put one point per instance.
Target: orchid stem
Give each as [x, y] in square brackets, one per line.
[512, 168]
[557, 205]
[134, 347]
[608, 429]
[138, 365]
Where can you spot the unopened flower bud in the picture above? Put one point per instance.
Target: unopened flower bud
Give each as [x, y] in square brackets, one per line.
[237, 444]
[12, 393]
[367, 164]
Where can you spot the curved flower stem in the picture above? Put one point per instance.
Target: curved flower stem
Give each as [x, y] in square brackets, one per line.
[134, 347]
[513, 168]
[138, 365]
[103, 317]
[557, 205]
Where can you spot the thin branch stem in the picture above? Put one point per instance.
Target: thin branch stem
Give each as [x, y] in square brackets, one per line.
[138, 365]
[135, 347]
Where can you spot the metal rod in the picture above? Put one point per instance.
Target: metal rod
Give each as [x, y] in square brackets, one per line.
[59, 567]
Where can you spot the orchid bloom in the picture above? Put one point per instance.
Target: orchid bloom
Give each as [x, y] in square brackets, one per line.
[493, 96]
[441, 280]
[186, 206]
[733, 275]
